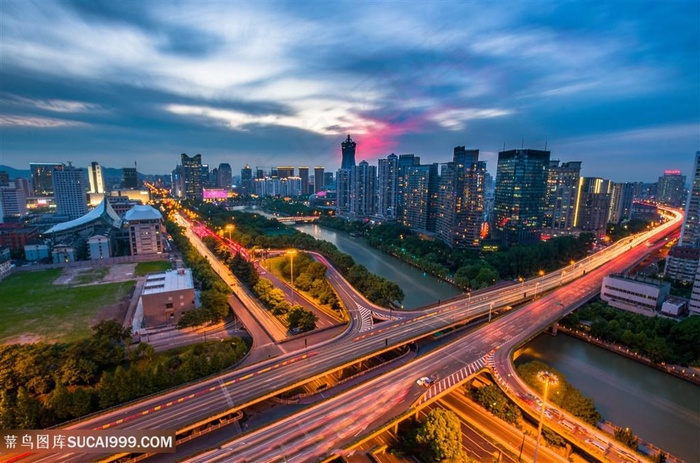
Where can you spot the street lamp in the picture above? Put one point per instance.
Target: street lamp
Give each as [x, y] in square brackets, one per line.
[537, 285]
[230, 228]
[490, 309]
[547, 378]
[291, 253]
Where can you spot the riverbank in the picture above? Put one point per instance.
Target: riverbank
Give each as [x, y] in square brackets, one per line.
[691, 375]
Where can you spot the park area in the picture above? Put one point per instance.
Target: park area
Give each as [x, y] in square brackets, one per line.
[60, 304]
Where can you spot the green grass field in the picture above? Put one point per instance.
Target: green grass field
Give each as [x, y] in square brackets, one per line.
[144, 268]
[32, 305]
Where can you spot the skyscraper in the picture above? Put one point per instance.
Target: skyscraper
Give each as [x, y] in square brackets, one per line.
[95, 177]
[304, 176]
[192, 176]
[562, 192]
[621, 202]
[670, 188]
[348, 148]
[682, 262]
[205, 178]
[363, 190]
[42, 173]
[593, 205]
[420, 197]
[225, 175]
[461, 199]
[520, 198]
[246, 180]
[343, 187]
[131, 178]
[405, 161]
[284, 171]
[388, 187]
[319, 179]
[69, 190]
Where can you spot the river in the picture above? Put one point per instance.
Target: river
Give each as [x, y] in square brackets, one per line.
[420, 289]
[658, 407]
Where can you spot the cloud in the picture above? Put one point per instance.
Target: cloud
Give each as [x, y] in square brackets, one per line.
[37, 122]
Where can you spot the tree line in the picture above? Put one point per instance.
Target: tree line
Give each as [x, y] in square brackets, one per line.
[46, 384]
[658, 338]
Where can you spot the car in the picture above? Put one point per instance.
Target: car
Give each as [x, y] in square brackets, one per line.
[424, 381]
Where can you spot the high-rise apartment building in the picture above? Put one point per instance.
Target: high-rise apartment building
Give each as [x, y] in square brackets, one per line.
[562, 192]
[460, 211]
[593, 205]
[363, 190]
[388, 187]
[682, 262]
[42, 177]
[69, 190]
[420, 197]
[343, 187]
[247, 181]
[206, 177]
[304, 176]
[13, 203]
[319, 179]
[224, 175]
[130, 179]
[348, 149]
[670, 188]
[621, 199]
[328, 179]
[97, 184]
[405, 161]
[192, 176]
[284, 171]
[520, 196]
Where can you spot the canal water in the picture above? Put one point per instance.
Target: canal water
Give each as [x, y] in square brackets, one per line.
[658, 407]
[419, 288]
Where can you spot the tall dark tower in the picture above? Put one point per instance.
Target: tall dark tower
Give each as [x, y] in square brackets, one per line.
[348, 154]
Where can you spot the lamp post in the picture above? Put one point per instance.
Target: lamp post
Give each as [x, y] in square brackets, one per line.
[547, 378]
[230, 228]
[537, 285]
[490, 309]
[291, 253]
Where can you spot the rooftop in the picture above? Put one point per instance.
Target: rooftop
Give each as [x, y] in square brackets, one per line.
[170, 280]
[102, 212]
[142, 213]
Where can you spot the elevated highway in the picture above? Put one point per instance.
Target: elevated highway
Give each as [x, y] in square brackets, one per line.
[190, 407]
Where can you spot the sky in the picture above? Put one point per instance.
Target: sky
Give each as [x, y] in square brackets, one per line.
[615, 85]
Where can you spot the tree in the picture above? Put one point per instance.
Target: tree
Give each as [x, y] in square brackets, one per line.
[627, 437]
[441, 437]
[301, 319]
[107, 392]
[27, 410]
[111, 330]
[60, 401]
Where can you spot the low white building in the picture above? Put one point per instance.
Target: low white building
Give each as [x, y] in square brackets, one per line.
[35, 252]
[634, 294]
[99, 247]
[674, 307]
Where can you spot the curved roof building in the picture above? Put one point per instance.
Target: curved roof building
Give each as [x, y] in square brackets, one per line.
[102, 216]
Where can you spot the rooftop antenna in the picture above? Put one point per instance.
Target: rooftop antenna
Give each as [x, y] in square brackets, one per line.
[504, 146]
[545, 146]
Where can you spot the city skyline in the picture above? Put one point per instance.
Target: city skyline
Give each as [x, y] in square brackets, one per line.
[614, 86]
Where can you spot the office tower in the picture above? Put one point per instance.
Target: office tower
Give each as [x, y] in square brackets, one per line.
[24, 185]
[97, 184]
[388, 186]
[283, 172]
[69, 190]
[363, 190]
[304, 176]
[177, 183]
[348, 149]
[214, 178]
[246, 181]
[328, 179]
[682, 262]
[405, 161]
[461, 199]
[13, 203]
[420, 196]
[259, 173]
[4, 178]
[42, 173]
[343, 186]
[225, 176]
[621, 202]
[192, 176]
[319, 178]
[520, 197]
[131, 178]
[562, 191]
[205, 177]
[593, 205]
[670, 188]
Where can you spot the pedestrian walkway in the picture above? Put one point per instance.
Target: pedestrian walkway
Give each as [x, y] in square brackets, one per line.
[447, 383]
